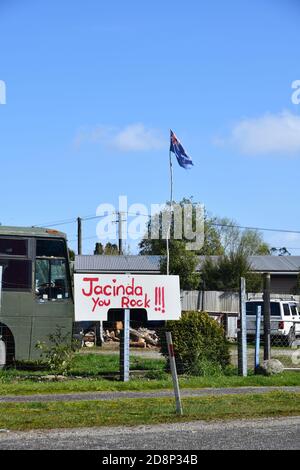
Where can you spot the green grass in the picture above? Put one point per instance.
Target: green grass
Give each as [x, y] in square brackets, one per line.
[91, 367]
[95, 364]
[25, 416]
[11, 386]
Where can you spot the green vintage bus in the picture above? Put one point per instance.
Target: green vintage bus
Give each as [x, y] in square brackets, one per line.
[36, 291]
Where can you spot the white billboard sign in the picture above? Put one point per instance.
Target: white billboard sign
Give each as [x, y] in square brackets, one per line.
[96, 294]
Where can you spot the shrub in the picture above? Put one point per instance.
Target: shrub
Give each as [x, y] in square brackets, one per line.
[200, 345]
[59, 352]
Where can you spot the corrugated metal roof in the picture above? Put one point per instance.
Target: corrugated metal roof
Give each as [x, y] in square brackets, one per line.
[151, 264]
[275, 263]
[266, 263]
[106, 263]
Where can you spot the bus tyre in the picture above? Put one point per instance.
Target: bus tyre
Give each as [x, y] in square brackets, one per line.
[2, 354]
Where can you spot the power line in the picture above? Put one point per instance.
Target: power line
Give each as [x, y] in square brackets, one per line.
[71, 221]
[215, 224]
[261, 229]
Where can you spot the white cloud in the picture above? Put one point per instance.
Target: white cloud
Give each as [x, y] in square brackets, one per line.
[268, 134]
[132, 138]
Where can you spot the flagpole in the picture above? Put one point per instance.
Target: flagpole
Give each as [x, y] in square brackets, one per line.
[171, 206]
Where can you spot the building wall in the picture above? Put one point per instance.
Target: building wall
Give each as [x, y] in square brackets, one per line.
[283, 284]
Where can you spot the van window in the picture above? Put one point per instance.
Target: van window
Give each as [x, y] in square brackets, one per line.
[294, 310]
[286, 310]
[251, 308]
[13, 247]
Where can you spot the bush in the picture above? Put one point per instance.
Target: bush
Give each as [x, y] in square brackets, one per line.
[200, 345]
[59, 352]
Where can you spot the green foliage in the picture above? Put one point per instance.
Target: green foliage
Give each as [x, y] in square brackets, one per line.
[99, 250]
[182, 263]
[199, 342]
[71, 255]
[234, 239]
[225, 273]
[58, 353]
[108, 249]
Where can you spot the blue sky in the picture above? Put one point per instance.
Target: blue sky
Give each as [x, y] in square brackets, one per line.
[92, 89]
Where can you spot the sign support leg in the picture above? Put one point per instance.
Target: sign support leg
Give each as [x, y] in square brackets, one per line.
[124, 347]
[257, 338]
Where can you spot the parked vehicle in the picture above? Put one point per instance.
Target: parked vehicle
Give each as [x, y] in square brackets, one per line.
[36, 290]
[285, 320]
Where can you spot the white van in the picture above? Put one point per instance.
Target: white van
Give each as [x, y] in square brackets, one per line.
[285, 320]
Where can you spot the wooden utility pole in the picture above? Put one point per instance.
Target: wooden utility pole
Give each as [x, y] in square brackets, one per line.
[120, 220]
[267, 317]
[79, 236]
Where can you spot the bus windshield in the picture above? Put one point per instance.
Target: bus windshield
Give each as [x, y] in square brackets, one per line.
[51, 274]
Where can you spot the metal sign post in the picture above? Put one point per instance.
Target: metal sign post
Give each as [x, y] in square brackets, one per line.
[257, 337]
[174, 373]
[242, 346]
[124, 347]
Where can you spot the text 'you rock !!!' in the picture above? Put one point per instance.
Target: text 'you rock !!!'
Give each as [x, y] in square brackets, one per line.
[130, 295]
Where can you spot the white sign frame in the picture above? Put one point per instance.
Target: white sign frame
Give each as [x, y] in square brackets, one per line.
[95, 294]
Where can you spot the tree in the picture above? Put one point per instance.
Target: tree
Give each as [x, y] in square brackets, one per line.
[71, 255]
[252, 243]
[234, 239]
[183, 262]
[225, 273]
[111, 249]
[98, 249]
[108, 249]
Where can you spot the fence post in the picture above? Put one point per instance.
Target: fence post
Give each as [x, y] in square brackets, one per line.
[267, 317]
[257, 338]
[242, 335]
[124, 347]
[174, 373]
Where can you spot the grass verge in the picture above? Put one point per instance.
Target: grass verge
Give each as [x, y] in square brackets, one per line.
[26, 416]
[10, 386]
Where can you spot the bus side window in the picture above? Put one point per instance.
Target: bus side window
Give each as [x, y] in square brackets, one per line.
[16, 274]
